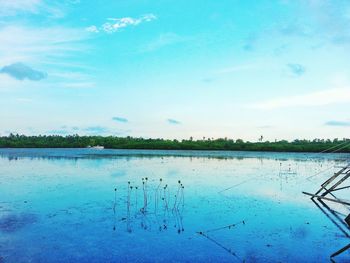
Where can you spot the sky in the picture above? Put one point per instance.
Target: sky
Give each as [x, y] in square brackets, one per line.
[176, 69]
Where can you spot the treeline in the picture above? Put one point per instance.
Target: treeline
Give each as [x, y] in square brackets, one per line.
[111, 142]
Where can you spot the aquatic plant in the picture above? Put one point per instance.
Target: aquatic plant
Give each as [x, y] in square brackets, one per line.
[115, 199]
[156, 197]
[161, 193]
[177, 194]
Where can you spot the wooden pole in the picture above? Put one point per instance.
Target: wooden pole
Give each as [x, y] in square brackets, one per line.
[340, 201]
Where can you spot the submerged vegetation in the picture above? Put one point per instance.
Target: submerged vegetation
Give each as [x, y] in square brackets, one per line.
[111, 142]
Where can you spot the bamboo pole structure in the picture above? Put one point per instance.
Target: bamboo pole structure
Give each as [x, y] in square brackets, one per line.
[331, 185]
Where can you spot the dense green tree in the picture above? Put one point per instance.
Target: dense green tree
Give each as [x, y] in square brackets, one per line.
[111, 142]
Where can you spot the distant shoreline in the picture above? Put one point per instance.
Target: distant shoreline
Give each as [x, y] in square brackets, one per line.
[221, 144]
[186, 150]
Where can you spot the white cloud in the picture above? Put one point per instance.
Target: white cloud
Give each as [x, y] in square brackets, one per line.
[319, 98]
[115, 24]
[92, 29]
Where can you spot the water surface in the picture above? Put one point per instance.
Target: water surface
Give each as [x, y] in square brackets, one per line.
[60, 205]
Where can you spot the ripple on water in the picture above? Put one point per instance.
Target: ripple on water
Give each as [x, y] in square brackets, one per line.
[12, 222]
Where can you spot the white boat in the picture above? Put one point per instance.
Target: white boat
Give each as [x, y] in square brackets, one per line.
[98, 147]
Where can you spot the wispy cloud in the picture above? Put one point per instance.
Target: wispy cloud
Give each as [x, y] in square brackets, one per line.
[58, 132]
[32, 45]
[101, 130]
[327, 20]
[281, 49]
[249, 43]
[295, 29]
[233, 69]
[64, 130]
[96, 129]
[296, 69]
[239, 68]
[115, 24]
[319, 98]
[120, 119]
[72, 79]
[77, 85]
[172, 121]
[164, 40]
[53, 10]
[45, 48]
[332, 18]
[68, 129]
[87, 130]
[12, 7]
[208, 80]
[338, 123]
[21, 71]
[24, 100]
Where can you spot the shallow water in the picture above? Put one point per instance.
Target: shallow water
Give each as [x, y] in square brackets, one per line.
[60, 205]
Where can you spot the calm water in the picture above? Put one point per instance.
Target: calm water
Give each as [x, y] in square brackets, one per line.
[61, 206]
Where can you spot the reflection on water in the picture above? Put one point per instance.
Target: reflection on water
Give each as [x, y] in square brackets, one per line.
[91, 153]
[227, 207]
[13, 222]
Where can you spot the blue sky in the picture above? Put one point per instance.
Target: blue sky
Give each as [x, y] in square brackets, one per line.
[175, 69]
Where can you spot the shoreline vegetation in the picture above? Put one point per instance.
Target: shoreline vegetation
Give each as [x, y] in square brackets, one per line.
[225, 144]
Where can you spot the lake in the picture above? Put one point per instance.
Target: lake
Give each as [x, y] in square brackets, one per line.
[88, 205]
